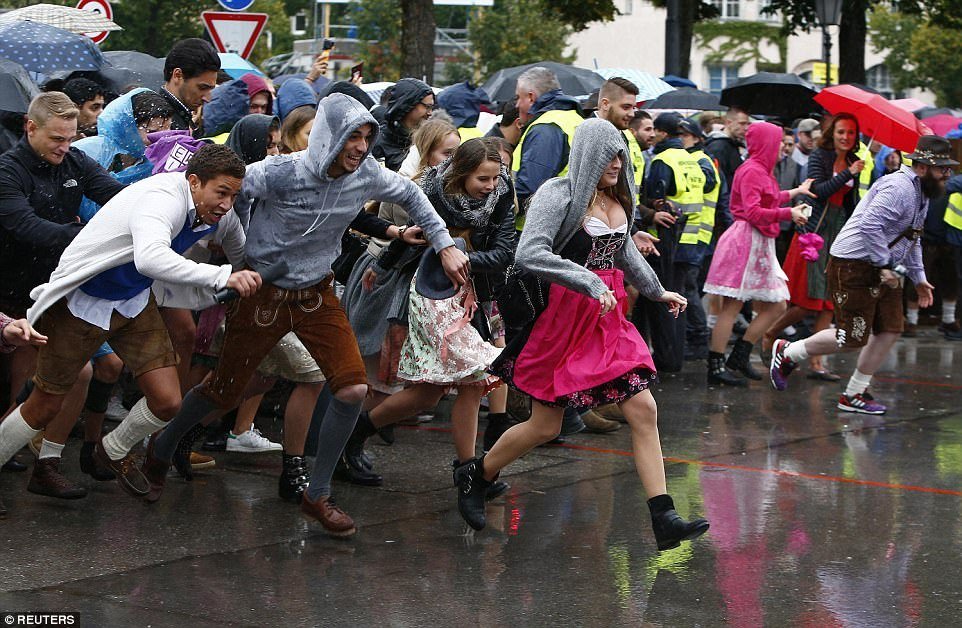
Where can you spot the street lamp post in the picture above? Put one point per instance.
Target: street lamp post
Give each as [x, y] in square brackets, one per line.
[829, 13]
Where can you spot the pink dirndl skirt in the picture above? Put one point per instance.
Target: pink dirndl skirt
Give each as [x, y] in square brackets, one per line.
[745, 267]
[575, 357]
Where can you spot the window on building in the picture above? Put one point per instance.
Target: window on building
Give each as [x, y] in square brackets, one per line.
[721, 76]
[768, 17]
[879, 78]
[728, 8]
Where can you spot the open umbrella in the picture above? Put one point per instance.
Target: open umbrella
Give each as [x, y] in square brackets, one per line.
[772, 94]
[929, 112]
[237, 66]
[16, 88]
[877, 118]
[42, 48]
[685, 98]
[68, 18]
[909, 104]
[129, 67]
[649, 86]
[942, 123]
[574, 81]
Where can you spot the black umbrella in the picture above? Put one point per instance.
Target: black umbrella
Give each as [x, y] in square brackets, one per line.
[772, 94]
[685, 98]
[129, 67]
[574, 81]
[16, 88]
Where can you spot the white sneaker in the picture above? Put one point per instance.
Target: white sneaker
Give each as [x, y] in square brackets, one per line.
[116, 410]
[251, 441]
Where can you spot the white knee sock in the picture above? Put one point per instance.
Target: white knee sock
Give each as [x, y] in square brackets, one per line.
[139, 423]
[796, 352]
[948, 312]
[912, 316]
[14, 434]
[858, 383]
[50, 450]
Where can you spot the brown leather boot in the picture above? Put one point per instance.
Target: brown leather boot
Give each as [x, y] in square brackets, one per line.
[337, 522]
[155, 471]
[128, 475]
[47, 480]
[597, 424]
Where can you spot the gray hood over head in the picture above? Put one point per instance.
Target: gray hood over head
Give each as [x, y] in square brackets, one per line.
[558, 209]
[338, 115]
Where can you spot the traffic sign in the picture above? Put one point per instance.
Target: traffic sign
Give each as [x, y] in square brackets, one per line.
[97, 6]
[234, 32]
[236, 5]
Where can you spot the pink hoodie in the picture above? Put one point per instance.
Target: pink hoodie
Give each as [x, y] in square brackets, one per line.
[755, 196]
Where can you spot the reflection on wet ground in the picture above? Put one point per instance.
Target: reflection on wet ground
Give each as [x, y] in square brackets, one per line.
[819, 518]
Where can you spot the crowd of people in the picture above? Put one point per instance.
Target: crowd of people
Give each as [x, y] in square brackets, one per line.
[216, 236]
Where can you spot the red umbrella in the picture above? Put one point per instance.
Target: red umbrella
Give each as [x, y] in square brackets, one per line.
[942, 123]
[877, 118]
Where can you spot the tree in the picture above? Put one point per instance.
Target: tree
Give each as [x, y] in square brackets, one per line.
[515, 32]
[379, 31]
[417, 39]
[691, 12]
[579, 13]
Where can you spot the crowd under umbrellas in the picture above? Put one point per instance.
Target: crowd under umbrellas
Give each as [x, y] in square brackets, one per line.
[245, 143]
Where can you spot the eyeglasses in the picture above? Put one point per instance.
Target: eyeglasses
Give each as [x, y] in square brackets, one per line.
[430, 106]
[947, 170]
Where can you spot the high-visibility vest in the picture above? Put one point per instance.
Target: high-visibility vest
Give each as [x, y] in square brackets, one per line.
[468, 132]
[865, 177]
[689, 195]
[566, 119]
[637, 157]
[953, 211]
[707, 226]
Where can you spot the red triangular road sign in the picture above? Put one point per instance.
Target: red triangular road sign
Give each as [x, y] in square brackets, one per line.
[234, 32]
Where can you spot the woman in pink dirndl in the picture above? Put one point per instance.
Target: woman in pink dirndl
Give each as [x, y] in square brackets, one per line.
[744, 267]
[581, 351]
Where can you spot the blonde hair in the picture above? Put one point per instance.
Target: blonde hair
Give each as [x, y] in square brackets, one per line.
[292, 126]
[427, 137]
[51, 105]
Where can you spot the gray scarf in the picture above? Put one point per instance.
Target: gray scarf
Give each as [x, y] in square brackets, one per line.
[462, 210]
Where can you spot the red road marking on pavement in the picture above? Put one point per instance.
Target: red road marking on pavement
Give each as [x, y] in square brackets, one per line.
[918, 382]
[738, 467]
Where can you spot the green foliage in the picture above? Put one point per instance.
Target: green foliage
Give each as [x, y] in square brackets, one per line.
[741, 41]
[379, 29]
[515, 32]
[579, 13]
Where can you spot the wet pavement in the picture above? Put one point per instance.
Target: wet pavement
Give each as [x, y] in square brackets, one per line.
[818, 518]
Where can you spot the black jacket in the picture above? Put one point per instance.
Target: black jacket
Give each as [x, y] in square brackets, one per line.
[821, 164]
[38, 213]
[493, 247]
[394, 140]
[182, 120]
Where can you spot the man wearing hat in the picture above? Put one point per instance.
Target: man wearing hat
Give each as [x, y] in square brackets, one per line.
[879, 246]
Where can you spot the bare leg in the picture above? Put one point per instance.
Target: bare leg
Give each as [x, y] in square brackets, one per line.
[464, 421]
[182, 330]
[22, 365]
[58, 431]
[722, 330]
[765, 315]
[246, 412]
[405, 403]
[297, 416]
[792, 316]
[641, 411]
[543, 426]
[873, 354]
[823, 320]
[498, 398]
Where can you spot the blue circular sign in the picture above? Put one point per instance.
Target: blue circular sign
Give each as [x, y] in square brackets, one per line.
[236, 5]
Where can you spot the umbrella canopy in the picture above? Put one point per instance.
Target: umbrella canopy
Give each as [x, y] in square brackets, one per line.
[574, 81]
[678, 81]
[16, 88]
[685, 98]
[909, 104]
[877, 118]
[237, 66]
[129, 67]
[942, 123]
[772, 94]
[68, 18]
[43, 49]
[929, 112]
[649, 86]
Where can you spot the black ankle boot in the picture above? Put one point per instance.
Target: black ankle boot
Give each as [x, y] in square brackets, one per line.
[294, 479]
[181, 458]
[14, 465]
[89, 465]
[740, 360]
[354, 450]
[495, 490]
[670, 529]
[718, 373]
[472, 488]
[498, 424]
[345, 472]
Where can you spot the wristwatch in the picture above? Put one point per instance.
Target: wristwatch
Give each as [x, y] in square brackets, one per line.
[400, 231]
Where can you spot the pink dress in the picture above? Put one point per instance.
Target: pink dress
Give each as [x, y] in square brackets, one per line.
[744, 266]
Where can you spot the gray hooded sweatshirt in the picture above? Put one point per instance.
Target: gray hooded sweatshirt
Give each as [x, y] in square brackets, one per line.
[558, 210]
[301, 212]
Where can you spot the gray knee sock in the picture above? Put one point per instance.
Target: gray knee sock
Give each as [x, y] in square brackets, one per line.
[339, 421]
[192, 411]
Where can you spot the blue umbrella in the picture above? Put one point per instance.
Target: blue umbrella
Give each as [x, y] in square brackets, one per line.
[42, 48]
[237, 66]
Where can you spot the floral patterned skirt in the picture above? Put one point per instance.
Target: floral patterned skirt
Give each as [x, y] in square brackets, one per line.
[745, 267]
[442, 347]
[572, 356]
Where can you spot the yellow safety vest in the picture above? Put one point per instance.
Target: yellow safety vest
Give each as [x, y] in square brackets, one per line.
[567, 120]
[953, 211]
[865, 177]
[689, 195]
[707, 226]
[218, 139]
[637, 157]
[468, 132]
